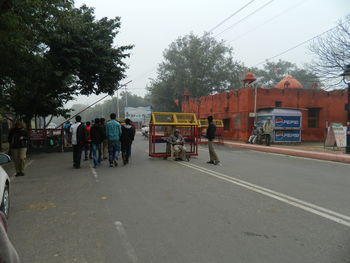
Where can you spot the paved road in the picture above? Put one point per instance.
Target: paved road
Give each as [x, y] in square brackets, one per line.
[256, 207]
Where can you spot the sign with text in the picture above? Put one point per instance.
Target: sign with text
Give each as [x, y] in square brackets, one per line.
[287, 122]
[287, 136]
[336, 135]
[138, 114]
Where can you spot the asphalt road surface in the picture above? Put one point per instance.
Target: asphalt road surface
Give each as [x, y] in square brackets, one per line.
[256, 207]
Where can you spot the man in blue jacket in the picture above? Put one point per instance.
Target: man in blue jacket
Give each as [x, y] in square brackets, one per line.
[113, 133]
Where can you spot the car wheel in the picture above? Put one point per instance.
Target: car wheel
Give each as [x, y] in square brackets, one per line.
[5, 203]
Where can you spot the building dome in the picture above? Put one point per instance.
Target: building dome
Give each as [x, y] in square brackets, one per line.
[289, 82]
[249, 78]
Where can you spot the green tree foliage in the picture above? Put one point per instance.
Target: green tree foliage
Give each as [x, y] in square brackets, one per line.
[202, 65]
[273, 72]
[53, 51]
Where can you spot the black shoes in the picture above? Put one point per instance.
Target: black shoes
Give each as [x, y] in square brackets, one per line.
[19, 174]
[214, 162]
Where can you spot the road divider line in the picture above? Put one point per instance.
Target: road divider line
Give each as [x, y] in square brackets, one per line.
[129, 249]
[94, 173]
[280, 194]
[323, 212]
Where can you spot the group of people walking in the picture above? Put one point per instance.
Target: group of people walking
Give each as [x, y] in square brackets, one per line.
[94, 139]
[101, 140]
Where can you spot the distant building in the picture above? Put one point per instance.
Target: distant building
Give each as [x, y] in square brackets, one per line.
[236, 108]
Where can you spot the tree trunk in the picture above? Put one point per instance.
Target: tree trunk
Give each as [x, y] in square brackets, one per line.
[45, 125]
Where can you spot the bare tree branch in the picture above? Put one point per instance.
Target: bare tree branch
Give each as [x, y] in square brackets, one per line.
[333, 54]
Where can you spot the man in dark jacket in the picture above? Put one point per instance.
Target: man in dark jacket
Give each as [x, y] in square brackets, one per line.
[211, 136]
[79, 139]
[127, 137]
[97, 134]
[18, 139]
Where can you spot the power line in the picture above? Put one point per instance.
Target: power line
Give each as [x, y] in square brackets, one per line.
[244, 18]
[211, 30]
[298, 45]
[269, 20]
[223, 21]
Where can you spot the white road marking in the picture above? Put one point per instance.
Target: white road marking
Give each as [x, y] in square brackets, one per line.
[93, 170]
[312, 208]
[130, 251]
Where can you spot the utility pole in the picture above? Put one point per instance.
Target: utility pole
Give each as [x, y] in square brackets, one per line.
[117, 104]
[126, 97]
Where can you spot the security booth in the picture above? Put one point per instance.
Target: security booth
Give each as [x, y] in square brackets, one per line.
[163, 124]
[202, 129]
[286, 123]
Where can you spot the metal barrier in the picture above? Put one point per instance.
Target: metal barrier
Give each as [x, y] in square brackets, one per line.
[46, 140]
[163, 124]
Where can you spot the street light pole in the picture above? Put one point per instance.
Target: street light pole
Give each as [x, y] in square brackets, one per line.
[346, 77]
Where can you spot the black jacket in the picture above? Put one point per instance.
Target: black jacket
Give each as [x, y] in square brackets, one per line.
[97, 133]
[15, 139]
[128, 134]
[211, 131]
[82, 135]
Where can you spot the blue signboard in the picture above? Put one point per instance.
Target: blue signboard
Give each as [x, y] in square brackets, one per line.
[287, 122]
[287, 136]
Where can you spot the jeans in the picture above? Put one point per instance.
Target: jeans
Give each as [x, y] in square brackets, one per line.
[126, 150]
[113, 150]
[268, 139]
[96, 148]
[77, 149]
[88, 151]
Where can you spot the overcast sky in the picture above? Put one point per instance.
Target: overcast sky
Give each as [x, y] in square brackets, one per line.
[153, 24]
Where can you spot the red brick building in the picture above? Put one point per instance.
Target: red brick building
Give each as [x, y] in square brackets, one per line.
[319, 107]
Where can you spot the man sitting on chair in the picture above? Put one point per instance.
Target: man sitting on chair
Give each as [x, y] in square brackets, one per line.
[177, 146]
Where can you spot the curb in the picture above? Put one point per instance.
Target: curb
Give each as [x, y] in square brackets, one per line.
[299, 153]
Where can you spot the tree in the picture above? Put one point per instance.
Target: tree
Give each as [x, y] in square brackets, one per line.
[202, 65]
[273, 72]
[67, 52]
[332, 52]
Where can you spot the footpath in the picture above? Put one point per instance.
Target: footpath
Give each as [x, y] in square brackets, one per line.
[304, 149]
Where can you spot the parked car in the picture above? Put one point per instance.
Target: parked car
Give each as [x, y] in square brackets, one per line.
[4, 186]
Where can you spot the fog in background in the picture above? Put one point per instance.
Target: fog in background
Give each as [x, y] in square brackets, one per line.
[152, 25]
